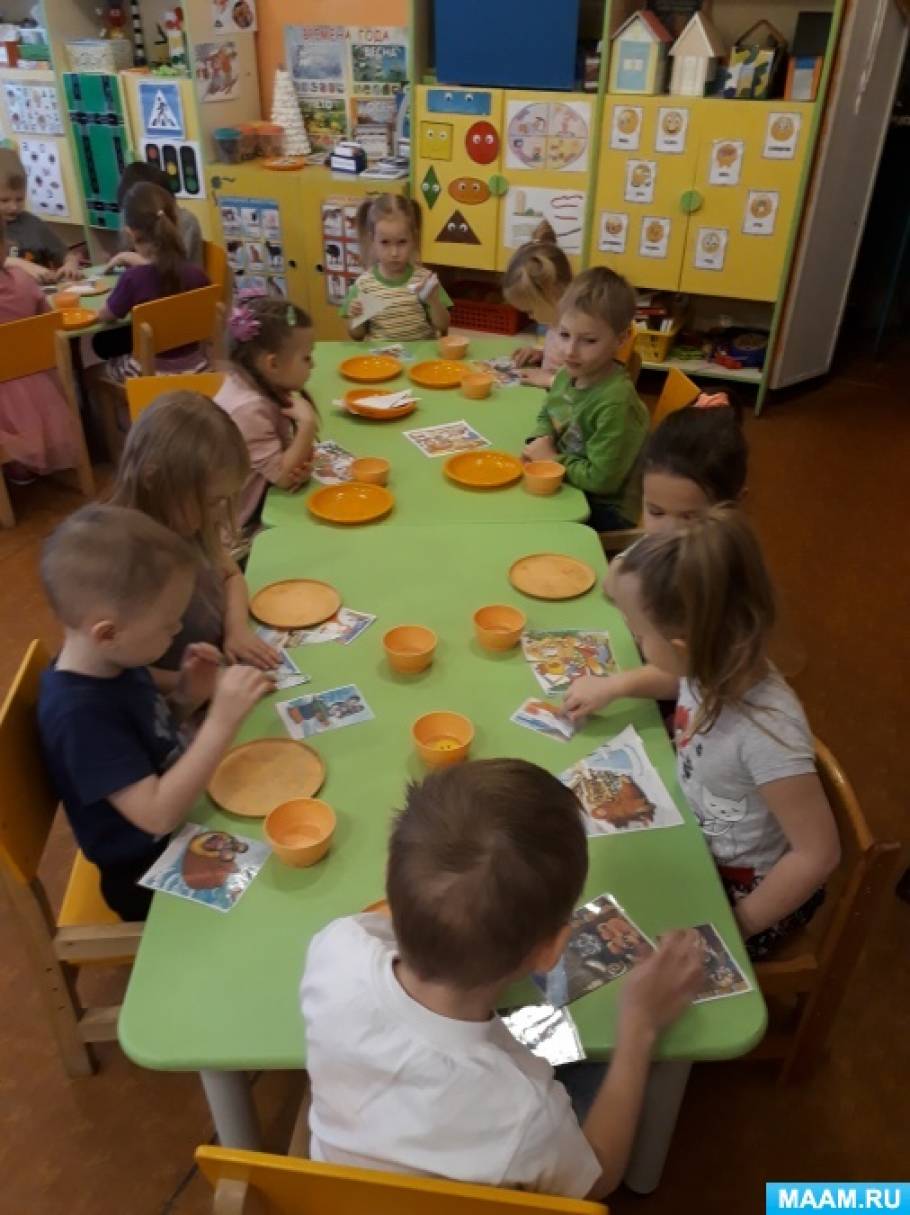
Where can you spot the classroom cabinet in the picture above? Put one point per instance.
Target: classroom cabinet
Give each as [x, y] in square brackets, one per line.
[699, 195]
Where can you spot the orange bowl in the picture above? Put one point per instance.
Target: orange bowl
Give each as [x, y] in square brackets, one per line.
[370, 470]
[453, 347]
[65, 299]
[476, 386]
[409, 648]
[300, 832]
[543, 477]
[442, 738]
[498, 626]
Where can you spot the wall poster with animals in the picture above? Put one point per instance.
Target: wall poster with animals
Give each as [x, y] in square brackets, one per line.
[253, 240]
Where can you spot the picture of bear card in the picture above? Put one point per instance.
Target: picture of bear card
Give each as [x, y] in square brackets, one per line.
[209, 867]
[723, 976]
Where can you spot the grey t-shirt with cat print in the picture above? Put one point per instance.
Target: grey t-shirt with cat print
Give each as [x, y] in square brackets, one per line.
[723, 770]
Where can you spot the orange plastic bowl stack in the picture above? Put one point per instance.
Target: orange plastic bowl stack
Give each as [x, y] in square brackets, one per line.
[409, 648]
[371, 470]
[543, 477]
[476, 386]
[452, 347]
[300, 832]
[442, 738]
[65, 299]
[499, 626]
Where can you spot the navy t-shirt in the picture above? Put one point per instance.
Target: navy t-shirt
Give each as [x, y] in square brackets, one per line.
[100, 736]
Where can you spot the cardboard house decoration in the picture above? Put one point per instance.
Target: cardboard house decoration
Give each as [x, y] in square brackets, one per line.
[639, 57]
[695, 54]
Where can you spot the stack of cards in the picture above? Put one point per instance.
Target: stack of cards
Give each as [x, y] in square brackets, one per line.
[446, 439]
[559, 656]
[322, 711]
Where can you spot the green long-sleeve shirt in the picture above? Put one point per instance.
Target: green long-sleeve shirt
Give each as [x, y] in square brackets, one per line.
[599, 433]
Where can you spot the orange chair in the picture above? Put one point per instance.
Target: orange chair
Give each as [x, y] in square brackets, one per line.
[178, 320]
[35, 344]
[143, 390]
[215, 264]
[86, 932]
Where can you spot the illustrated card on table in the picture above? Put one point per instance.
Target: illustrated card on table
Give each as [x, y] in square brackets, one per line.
[446, 439]
[542, 717]
[287, 674]
[394, 350]
[557, 656]
[345, 626]
[619, 788]
[330, 710]
[501, 368]
[331, 463]
[723, 976]
[209, 867]
[605, 944]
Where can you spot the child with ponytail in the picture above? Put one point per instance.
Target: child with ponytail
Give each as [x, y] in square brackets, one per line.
[534, 282]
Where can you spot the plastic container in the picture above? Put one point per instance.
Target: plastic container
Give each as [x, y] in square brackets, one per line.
[476, 386]
[269, 138]
[654, 346]
[300, 832]
[453, 347]
[499, 626]
[442, 738]
[409, 648]
[107, 55]
[370, 470]
[227, 144]
[543, 477]
[489, 317]
[528, 44]
[249, 140]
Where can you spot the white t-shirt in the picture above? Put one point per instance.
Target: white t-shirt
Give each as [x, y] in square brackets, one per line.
[401, 1088]
[723, 770]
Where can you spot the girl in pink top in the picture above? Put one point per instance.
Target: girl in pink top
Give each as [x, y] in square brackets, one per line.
[534, 282]
[271, 359]
[37, 430]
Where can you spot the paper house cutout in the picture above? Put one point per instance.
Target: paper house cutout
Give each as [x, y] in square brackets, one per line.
[695, 54]
[639, 56]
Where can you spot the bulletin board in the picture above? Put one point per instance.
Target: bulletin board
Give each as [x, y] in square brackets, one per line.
[254, 244]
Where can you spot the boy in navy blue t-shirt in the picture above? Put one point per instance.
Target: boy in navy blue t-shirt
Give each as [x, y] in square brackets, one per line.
[120, 582]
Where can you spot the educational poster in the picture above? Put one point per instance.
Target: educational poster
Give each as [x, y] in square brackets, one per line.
[672, 128]
[252, 236]
[317, 59]
[524, 209]
[234, 16]
[326, 120]
[711, 248]
[181, 160]
[547, 135]
[782, 136]
[46, 193]
[33, 109]
[640, 178]
[162, 110]
[655, 236]
[614, 232]
[340, 246]
[209, 867]
[625, 130]
[373, 124]
[761, 212]
[726, 162]
[216, 73]
[379, 60]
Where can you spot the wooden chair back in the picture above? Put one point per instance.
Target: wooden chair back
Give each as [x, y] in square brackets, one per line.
[177, 320]
[143, 390]
[255, 1183]
[678, 392]
[215, 264]
[29, 346]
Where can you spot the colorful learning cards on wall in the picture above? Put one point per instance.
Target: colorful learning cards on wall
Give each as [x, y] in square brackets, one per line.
[209, 867]
[33, 109]
[558, 656]
[619, 788]
[446, 439]
[323, 711]
[252, 238]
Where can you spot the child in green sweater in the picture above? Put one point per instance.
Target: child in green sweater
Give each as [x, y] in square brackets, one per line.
[593, 421]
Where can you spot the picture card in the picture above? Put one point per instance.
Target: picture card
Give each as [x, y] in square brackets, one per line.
[446, 439]
[640, 178]
[548, 1032]
[217, 77]
[604, 946]
[234, 16]
[625, 128]
[501, 368]
[619, 788]
[655, 236]
[614, 232]
[331, 463]
[322, 711]
[213, 868]
[782, 135]
[672, 128]
[288, 674]
[543, 718]
[345, 626]
[711, 248]
[559, 656]
[726, 162]
[723, 976]
[761, 212]
[395, 350]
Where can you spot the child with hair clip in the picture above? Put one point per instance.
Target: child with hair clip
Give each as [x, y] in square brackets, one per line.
[400, 300]
[700, 604]
[150, 221]
[271, 355]
[535, 280]
[183, 464]
[34, 246]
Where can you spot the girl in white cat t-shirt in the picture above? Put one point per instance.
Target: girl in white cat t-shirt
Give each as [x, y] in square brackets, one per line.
[700, 604]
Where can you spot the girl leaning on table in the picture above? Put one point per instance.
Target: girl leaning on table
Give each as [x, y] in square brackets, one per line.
[535, 280]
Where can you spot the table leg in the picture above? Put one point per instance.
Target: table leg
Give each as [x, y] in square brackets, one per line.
[231, 1105]
[663, 1097]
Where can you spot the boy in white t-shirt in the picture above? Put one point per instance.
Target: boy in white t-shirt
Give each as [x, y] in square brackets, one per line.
[412, 1070]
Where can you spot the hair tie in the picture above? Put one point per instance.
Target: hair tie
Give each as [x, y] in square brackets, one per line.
[712, 400]
[243, 326]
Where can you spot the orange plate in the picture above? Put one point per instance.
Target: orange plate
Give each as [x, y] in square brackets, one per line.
[437, 373]
[255, 777]
[351, 503]
[295, 603]
[370, 368]
[380, 907]
[97, 285]
[78, 318]
[483, 469]
[552, 576]
[352, 404]
[284, 164]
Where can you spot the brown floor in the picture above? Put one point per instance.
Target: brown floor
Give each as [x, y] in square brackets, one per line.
[829, 495]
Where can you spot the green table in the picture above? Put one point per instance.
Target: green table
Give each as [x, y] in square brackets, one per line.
[422, 492]
[94, 303]
[219, 992]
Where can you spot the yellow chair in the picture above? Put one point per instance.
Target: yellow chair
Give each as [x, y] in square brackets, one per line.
[215, 264]
[143, 390]
[87, 932]
[810, 973]
[35, 344]
[178, 320]
[255, 1183]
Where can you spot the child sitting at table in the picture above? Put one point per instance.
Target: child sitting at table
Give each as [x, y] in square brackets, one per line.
[412, 1069]
[183, 465]
[119, 583]
[696, 458]
[187, 223]
[33, 245]
[150, 222]
[404, 301]
[271, 359]
[592, 420]
[701, 605]
[534, 282]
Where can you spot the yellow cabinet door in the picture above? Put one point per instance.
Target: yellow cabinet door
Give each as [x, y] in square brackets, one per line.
[750, 158]
[547, 161]
[647, 164]
[456, 145]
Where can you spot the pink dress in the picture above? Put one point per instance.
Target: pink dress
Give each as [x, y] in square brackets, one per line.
[37, 429]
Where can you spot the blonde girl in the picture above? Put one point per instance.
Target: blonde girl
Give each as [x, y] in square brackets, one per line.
[271, 357]
[402, 301]
[183, 464]
[534, 282]
[700, 604]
